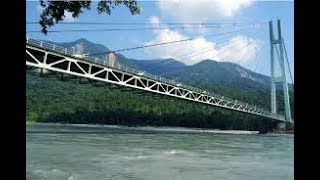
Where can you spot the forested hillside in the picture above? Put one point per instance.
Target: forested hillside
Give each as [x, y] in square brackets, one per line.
[50, 99]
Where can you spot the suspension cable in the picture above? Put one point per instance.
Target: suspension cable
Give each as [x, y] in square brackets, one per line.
[285, 51]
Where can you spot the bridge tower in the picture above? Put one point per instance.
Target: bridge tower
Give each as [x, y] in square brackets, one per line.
[275, 43]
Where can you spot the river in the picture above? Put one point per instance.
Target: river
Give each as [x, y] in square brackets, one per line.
[128, 153]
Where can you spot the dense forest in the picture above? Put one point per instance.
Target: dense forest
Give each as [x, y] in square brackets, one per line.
[67, 100]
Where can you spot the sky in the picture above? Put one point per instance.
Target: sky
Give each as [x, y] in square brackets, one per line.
[233, 30]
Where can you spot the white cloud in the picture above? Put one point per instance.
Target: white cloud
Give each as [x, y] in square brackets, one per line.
[237, 48]
[202, 10]
[68, 17]
[154, 21]
[175, 50]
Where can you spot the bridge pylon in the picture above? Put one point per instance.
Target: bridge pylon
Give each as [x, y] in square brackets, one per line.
[274, 45]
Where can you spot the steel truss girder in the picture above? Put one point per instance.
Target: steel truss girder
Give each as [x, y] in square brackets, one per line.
[86, 69]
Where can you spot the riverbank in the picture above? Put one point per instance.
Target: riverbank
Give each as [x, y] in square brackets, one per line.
[283, 132]
[164, 129]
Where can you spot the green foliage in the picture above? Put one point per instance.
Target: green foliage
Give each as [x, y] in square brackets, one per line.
[32, 116]
[104, 6]
[53, 11]
[52, 100]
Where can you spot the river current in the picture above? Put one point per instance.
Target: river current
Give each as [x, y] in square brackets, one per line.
[127, 153]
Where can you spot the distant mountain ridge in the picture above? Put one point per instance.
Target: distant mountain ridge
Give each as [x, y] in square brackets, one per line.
[162, 67]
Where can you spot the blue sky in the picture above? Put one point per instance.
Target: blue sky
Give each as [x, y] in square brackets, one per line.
[248, 47]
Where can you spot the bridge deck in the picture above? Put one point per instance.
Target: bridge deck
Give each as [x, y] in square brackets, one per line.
[47, 56]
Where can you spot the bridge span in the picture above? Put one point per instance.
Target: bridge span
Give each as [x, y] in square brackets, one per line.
[40, 54]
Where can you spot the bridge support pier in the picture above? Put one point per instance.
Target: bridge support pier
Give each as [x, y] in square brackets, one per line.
[281, 126]
[277, 44]
[285, 126]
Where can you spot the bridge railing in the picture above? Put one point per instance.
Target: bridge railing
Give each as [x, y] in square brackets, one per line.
[50, 46]
[118, 66]
[131, 70]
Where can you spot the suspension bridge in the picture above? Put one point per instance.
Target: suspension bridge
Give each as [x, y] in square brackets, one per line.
[46, 56]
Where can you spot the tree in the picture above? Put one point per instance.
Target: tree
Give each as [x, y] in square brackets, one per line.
[54, 11]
